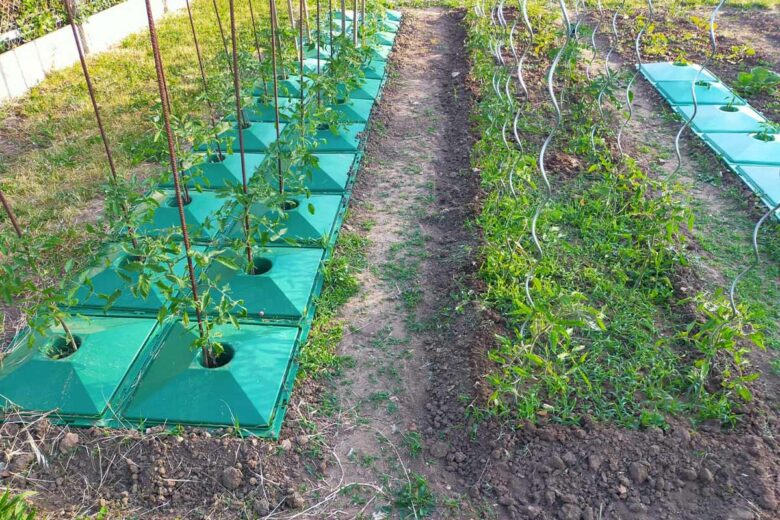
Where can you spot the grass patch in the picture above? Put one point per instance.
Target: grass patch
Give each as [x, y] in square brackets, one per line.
[318, 356]
[52, 163]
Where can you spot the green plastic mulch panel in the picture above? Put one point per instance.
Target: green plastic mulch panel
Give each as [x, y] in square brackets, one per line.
[330, 175]
[246, 391]
[83, 383]
[375, 69]
[346, 139]
[668, 71]
[110, 281]
[745, 148]
[266, 112]
[290, 87]
[393, 15]
[707, 93]
[311, 52]
[389, 26]
[712, 119]
[303, 227]
[385, 37]
[764, 180]
[212, 174]
[200, 214]
[368, 89]
[381, 52]
[282, 287]
[310, 65]
[354, 110]
[257, 137]
[347, 14]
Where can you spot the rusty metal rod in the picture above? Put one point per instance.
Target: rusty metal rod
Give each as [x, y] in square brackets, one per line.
[96, 110]
[257, 46]
[240, 120]
[274, 32]
[159, 68]
[212, 114]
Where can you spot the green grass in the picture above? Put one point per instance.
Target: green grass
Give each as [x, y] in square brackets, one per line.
[52, 163]
[611, 333]
[14, 507]
[319, 356]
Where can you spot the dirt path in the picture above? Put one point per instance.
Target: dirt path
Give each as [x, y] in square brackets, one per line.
[413, 197]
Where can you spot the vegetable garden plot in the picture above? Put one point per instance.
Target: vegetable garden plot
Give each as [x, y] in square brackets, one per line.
[225, 318]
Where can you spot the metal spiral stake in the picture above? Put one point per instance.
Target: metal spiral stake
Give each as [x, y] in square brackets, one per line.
[688, 121]
[521, 80]
[593, 44]
[159, 68]
[629, 93]
[595, 54]
[756, 258]
[98, 119]
[613, 39]
[576, 29]
[543, 153]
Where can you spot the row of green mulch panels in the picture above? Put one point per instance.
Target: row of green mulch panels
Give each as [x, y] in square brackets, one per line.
[735, 131]
[133, 368]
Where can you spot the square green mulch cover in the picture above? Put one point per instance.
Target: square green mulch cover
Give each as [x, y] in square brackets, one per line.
[330, 174]
[345, 138]
[714, 118]
[114, 274]
[201, 215]
[258, 136]
[309, 220]
[246, 391]
[353, 110]
[745, 148]
[280, 285]
[264, 109]
[368, 89]
[212, 174]
[669, 71]
[765, 181]
[375, 69]
[82, 383]
[707, 93]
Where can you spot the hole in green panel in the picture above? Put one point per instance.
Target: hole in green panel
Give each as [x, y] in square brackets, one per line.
[729, 108]
[222, 359]
[171, 202]
[261, 265]
[290, 204]
[765, 137]
[60, 347]
[702, 83]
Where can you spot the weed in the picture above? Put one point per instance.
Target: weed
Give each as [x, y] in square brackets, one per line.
[14, 507]
[597, 339]
[415, 498]
[760, 80]
[413, 442]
